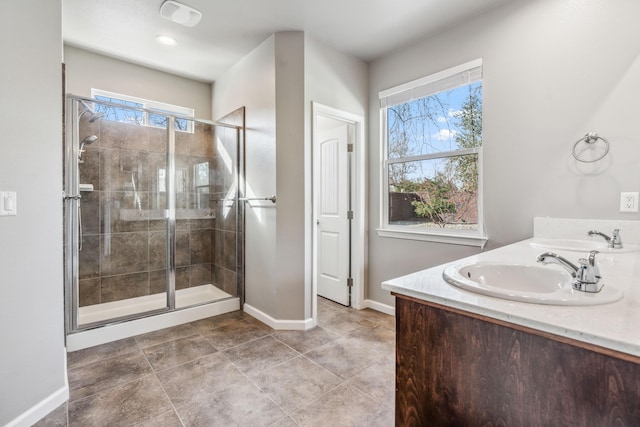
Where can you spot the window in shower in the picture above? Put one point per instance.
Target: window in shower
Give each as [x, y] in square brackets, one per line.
[128, 114]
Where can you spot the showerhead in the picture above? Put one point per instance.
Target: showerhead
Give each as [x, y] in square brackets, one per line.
[95, 116]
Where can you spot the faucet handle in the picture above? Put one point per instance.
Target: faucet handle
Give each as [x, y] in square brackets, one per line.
[588, 274]
[588, 271]
[616, 240]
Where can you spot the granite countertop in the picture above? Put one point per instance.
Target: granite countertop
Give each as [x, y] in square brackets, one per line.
[614, 326]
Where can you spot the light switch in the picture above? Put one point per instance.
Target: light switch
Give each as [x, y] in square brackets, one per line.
[8, 203]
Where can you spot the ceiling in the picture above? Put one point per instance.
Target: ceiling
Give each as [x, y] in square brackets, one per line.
[230, 29]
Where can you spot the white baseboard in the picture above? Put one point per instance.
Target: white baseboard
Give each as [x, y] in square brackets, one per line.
[291, 325]
[45, 406]
[378, 306]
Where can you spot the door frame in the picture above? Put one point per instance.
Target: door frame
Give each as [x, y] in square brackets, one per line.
[358, 225]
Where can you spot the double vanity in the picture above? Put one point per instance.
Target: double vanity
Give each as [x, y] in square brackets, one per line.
[544, 332]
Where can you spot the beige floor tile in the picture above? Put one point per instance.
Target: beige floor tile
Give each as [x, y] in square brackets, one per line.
[343, 357]
[344, 406]
[234, 370]
[296, 382]
[260, 354]
[377, 382]
[104, 374]
[241, 404]
[101, 352]
[125, 405]
[377, 338]
[168, 419]
[165, 335]
[204, 326]
[233, 334]
[379, 318]
[284, 422]
[342, 322]
[177, 352]
[195, 380]
[304, 341]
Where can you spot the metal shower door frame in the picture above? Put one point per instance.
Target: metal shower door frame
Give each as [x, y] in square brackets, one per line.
[71, 200]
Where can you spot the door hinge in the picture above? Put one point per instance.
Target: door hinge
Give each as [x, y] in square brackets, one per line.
[350, 148]
[350, 282]
[349, 214]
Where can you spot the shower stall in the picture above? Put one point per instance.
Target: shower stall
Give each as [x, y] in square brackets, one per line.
[153, 224]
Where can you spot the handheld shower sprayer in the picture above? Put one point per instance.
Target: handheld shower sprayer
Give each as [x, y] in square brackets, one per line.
[86, 141]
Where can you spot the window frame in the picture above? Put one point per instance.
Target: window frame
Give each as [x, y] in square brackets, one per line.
[460, 237]
[153, 107]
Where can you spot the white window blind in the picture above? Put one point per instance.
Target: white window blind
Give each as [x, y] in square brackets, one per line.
[451, 78]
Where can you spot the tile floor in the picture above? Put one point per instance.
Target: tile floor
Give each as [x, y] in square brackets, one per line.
[232, 370]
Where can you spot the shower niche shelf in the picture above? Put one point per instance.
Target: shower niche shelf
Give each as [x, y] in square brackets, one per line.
[149, 214]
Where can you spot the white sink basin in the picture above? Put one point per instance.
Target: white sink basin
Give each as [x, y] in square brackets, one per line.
[526, 283]
[580, 245]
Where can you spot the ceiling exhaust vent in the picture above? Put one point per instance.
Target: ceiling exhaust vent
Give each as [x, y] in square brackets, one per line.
[180, 13]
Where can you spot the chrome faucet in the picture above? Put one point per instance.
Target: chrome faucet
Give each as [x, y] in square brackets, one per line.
[615, 242]
[586, 276]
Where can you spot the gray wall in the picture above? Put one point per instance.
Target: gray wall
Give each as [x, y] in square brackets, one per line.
[553, 71]
[277, 83]
[269, 82]
[291, 259]
[87, 70]
[251, 83]
[337, 80]
[32, 360]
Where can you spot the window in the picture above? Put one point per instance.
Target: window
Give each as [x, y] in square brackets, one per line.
[144, 118]
[432, 139]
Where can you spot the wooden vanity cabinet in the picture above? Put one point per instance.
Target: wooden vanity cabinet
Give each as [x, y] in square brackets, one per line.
[455, 368]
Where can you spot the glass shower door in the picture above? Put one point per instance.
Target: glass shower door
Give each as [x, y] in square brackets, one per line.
[121, 215]
[205, 216]
[152, 218]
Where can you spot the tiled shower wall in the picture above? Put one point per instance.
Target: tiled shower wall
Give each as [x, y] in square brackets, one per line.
[124, 231]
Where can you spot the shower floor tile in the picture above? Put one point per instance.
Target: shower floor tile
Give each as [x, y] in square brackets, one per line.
[233, 370]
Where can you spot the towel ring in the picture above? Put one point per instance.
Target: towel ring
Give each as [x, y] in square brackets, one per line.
[590, 138]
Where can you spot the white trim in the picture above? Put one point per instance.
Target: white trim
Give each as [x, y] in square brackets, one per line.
[289, 325]
[438, 155]
[430, 78]
[477, 238]
[378, 306]
[46, 405]
[109, 333]
[359, 234]
[454, 239]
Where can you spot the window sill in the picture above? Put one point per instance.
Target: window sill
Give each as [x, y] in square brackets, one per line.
[453, 239]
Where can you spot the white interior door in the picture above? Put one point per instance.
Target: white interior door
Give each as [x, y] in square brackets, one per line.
[332, 213]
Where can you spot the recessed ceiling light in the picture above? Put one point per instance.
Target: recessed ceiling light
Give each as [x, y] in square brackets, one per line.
[169, 41]
[180, 13]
